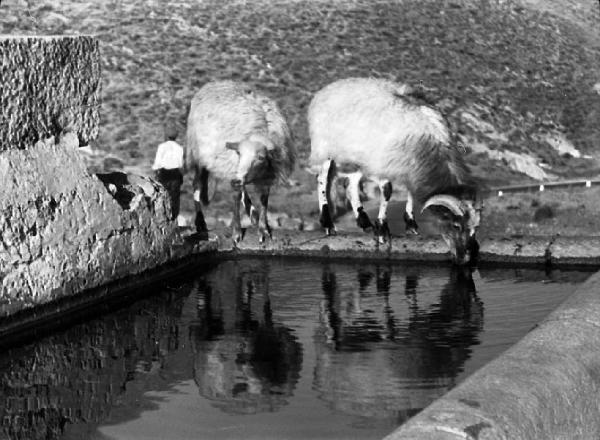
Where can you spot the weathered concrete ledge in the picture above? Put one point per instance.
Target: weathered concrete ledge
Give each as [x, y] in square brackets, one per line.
[525, 250]
[26, 323]
[63, 230]
[49, 85]
[547, 386]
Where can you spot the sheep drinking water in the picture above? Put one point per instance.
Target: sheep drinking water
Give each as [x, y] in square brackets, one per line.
[236, 134]
[377, 131]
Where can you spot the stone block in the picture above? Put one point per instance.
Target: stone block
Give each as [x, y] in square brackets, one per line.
[62, 230]
[49, 85]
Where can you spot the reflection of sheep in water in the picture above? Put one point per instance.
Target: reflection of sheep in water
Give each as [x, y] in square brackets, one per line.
[244, 362]
[372, 362]
[238, 135]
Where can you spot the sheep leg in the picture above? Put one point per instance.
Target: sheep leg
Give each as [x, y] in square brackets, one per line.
[382, 230]
[362, 219]
[263, 224]
[200, 223]
[249, 207]
[409, 218]
[204, 186]
[237, 234]
[324, 181]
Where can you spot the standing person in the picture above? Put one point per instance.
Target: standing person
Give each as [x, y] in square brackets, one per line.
[168, 165]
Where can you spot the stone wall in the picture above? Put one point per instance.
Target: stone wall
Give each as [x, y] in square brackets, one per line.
[49, 84]
[63, 230]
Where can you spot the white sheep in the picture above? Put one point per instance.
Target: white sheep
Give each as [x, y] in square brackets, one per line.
[372, 129]
[235, 133]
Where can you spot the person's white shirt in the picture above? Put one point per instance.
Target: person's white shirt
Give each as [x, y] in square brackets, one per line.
[169, 156]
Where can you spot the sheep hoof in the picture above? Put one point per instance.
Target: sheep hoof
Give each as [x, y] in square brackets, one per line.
[237, 235]
[411, 225]
[382, 231]
[264, 234]
[363, 221]
[325, 218]
[330, 231]
[200, 224]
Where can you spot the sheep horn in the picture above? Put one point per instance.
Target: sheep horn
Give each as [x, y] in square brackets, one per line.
[447, 201]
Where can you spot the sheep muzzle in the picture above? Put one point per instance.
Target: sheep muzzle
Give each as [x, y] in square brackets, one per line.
[458, 221]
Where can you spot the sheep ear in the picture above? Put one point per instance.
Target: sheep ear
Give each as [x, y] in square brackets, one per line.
[235, 146]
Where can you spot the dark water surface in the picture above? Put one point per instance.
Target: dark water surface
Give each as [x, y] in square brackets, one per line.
[273, 349]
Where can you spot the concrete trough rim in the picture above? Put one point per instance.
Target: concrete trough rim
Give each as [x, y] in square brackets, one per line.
[486, 260]
[522, 250]
[28, 323]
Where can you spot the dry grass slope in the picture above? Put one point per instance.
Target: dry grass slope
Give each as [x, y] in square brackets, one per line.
[525, 67]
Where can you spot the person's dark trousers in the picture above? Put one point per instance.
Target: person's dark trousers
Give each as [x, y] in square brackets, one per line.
[172, 181]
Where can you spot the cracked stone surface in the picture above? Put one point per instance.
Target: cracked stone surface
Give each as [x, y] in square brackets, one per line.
[62, 231]
[49, 85]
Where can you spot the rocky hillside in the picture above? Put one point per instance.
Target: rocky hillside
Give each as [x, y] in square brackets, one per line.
[515, 77]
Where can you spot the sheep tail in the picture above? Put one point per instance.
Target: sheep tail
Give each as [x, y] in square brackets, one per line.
[284, 157]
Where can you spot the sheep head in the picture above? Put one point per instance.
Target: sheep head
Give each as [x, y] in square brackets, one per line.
[254, 164]
[458, 221]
